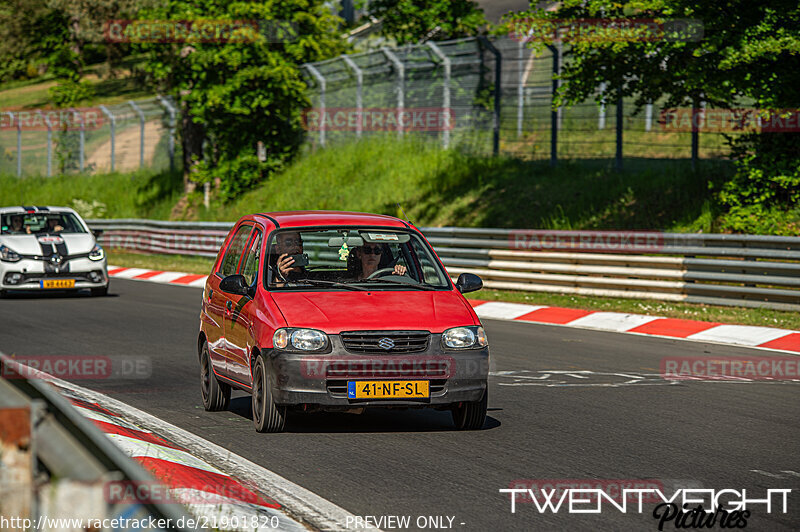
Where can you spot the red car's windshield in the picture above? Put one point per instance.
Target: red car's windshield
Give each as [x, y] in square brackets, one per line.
[351, 257]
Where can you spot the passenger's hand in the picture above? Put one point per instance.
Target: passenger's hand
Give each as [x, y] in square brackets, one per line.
[399, 269]
[285, 262]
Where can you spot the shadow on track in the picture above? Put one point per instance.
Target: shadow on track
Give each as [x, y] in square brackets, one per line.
[372, 420]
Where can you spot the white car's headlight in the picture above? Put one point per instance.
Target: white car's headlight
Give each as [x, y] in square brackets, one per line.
[300, 339]
[97, 253]
[9, 255]
[464, 337]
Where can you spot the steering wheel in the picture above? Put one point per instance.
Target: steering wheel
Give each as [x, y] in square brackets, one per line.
[378, 273]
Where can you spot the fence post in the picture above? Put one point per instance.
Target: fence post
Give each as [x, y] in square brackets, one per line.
[446, 89]
[401, 79]
[601, 117]
[620, 125]
[112, 125]
[171, 141]
[141, 131]
[648, 116]
[49, 124]
[498, 89]
[560, 110]
[696, 117]
[321, 80]
[359, 84]
[554, 113]
[82, 145]
[520, 86]
[19, 141]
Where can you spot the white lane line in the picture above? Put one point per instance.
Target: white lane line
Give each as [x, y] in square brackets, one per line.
[505, 311]
[790, 472]
[740, 334]
[612, 321]
[766, 474]
[295, 499]
[141, 449]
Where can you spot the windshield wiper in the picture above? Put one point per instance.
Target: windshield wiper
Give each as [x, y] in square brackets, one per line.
[393, 281]
[320, 282]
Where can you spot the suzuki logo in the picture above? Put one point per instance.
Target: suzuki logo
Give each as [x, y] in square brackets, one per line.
[386, 343]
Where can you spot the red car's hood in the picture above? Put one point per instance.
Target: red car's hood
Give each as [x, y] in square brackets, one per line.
[334, 312]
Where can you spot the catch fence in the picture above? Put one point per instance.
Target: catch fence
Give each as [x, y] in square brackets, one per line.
[105, 138]
[495, 96]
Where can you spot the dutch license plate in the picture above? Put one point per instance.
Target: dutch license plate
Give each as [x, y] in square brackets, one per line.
[58, 283]
[387, 389]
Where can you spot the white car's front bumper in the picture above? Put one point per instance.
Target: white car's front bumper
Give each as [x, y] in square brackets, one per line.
[28, 274]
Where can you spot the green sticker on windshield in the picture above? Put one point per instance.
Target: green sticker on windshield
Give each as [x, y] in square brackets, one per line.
[344, 251]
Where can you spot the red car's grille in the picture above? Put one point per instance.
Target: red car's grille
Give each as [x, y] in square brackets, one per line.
[386, 342]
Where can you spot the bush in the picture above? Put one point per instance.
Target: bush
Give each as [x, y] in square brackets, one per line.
[763, 196]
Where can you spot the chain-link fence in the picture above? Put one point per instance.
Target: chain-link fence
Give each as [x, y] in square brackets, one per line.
[449, 91]
[123, 138]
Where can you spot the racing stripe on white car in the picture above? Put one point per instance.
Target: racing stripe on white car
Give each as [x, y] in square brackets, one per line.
[740, 335]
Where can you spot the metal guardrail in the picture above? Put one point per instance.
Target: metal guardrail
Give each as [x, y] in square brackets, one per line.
[736, 270]
[55, 464]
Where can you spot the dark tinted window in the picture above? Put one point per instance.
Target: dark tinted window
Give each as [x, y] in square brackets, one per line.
[250, 264]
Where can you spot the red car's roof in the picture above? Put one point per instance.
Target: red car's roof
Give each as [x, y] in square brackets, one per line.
[312, 218]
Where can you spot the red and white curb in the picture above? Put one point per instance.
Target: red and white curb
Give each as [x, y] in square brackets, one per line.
[183, 463]
[157, 276]
[701, 331]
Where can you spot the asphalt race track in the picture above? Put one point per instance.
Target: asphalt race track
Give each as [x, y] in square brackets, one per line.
[572, 404]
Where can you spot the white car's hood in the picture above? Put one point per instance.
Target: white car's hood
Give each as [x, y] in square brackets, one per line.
[76, 243]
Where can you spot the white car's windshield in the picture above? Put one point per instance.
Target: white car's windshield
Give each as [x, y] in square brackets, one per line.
[351, 257]
[20, 223]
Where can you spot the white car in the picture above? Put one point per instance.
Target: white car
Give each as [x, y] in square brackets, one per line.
[49, 248]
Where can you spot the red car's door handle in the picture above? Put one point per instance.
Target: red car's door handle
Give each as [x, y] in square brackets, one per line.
[229, 305]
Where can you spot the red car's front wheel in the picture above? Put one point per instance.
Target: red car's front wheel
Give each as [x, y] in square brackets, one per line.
[267, 416]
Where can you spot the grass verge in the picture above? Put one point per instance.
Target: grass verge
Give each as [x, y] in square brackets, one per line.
[732, 315]
[448, 187]
[144, 194]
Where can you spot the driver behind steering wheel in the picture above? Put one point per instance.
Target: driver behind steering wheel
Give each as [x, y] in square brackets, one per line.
[369, 258]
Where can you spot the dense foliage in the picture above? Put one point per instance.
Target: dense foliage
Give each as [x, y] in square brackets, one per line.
[410, 21]
[245, 90]
[747, 54]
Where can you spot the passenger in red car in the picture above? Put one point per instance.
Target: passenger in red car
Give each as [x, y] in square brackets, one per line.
[370, 258]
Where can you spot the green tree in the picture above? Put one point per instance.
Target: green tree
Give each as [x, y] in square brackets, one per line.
[746, 52]
[31, 35]
[410, 21]
[234, 94]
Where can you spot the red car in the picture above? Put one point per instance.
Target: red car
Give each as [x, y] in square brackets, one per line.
[339, 311]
